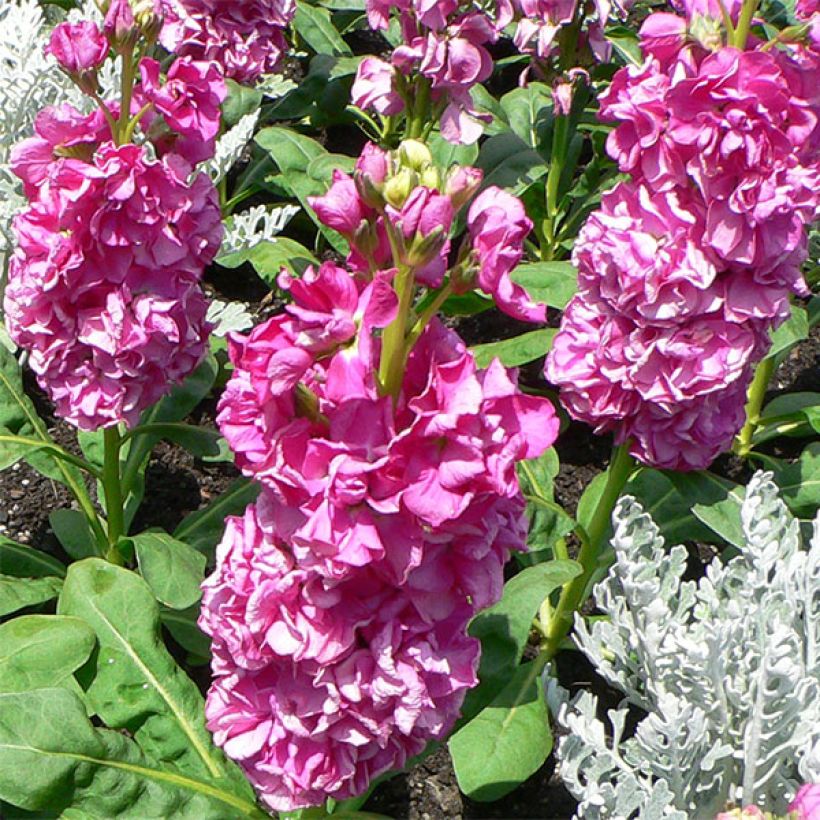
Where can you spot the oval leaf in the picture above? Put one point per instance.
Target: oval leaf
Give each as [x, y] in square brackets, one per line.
[172, 569]
[517, 351]
[19, 593]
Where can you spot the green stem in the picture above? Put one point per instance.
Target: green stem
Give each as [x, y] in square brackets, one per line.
[441, 296]
[757, 393]
[109, 117]
[135, 120]
[572, 595]
[128, 76]
[560, 143]
[421, 109]
[112, 486]
[744, 24]
[393, 357]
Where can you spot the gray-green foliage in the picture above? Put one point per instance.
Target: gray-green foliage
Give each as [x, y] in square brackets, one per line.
[727, 671]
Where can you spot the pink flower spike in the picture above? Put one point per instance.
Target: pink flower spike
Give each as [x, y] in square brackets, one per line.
[373, 88]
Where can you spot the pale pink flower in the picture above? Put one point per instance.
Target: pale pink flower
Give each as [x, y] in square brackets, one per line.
[374, 87]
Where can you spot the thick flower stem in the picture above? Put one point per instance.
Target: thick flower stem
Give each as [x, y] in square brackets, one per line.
[128, 77]
[112, 486]
[572, 595]
[393, 356]
[560, 143]
[757, 393]
[421, 110]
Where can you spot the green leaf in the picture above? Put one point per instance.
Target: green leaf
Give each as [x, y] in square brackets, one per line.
[507, 161]
[182, 624]
[795, 414]
[136, 685]
[506, 742]
[466, 304]
[792, 331]
[53, 760]
[446, 154]
[73, 532]
[269, 257]
[529, 113]
[316, 28]
[198, 441]
[39, 651]
[20, 561]
[204, 528]
[19, 593]
[590, 498]
[504, 628]
[626, 43]
[552, 283]
[293, 153]
[670, 499]
[516, 351]
[172, 569]
[800, 482]
[241, 100]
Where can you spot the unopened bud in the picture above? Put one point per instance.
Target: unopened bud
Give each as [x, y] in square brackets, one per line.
[430, 178]
[120, 26]
[147, 14]
[425, 249]
[461, 184]
[415, 155]
[400, 186]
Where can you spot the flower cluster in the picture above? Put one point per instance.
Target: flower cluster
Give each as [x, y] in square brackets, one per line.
[402, 202]
[245, 39]
[104, 288]
[340, 601]
[444, 54]
[685, 268]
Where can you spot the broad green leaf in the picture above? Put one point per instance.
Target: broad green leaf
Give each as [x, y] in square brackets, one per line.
[172, 569]
[72, 531]
[506, 742]
[792, 331]
[671, 497]
[516, 351]
[204, 528]
[39, 651]
[53, 761]
[20, 561]
[800, 482]
[316, 28]
[507, 161]
[173, 407]
[466, 304]
[551, 283]
[199, 441]
[19, 593]
[590, 499]
[794, 414]
[529, 113]
[269, 257]
[723, 517]
[241, 100]
[181, 623]
[504, 628]
[626, 43]
[137, 685]
[321, 169]
[446, 154]
[293, 153]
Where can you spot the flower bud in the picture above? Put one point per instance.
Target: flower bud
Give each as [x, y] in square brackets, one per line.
[371, 173]
[80, 49]
[148, 16]
[120, 26]
[430, 177]
[400, 186]
[461, 184]
[415, 155]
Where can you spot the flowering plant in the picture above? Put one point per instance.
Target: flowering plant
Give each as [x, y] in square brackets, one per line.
[440, 234]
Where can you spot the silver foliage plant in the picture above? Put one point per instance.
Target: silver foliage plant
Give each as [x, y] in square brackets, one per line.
[727, 672]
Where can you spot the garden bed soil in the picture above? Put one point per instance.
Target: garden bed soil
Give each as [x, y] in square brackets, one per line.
[177, 484]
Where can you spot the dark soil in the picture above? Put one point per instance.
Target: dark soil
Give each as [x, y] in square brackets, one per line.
[178, 484]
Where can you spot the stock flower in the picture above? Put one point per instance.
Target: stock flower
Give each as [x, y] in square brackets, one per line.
[678, 391]
[320, 688]
[78, 47]
[189, 100]
[246, 39]
[104, 289]
[61, 132]
[341, 208]
[498, 226]
[374, 89]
